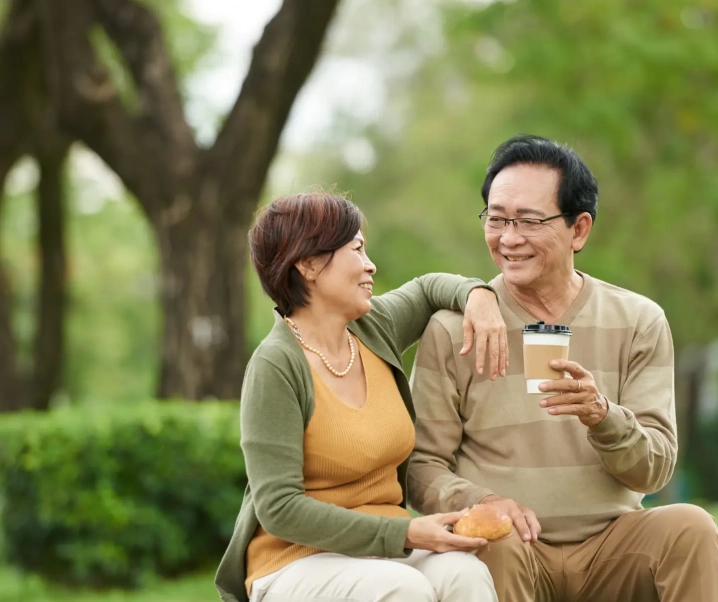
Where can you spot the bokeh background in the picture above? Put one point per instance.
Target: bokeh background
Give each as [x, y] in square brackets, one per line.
[138, 137]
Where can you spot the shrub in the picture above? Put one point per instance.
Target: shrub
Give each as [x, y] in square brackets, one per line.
[106, 496]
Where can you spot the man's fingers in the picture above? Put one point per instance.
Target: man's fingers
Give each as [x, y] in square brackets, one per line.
[521, 525]
[533, 523]
[570, 409]
[573, 368]
[562, 385]
[562, 400]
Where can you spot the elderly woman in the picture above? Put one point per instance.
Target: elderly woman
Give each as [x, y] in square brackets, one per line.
[327, 423]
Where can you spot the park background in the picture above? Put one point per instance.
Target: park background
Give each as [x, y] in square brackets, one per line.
[130, 169]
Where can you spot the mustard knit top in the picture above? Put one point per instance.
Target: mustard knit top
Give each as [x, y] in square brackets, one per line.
[351, 457]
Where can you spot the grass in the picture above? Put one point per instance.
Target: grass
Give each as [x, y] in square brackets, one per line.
[15, 586]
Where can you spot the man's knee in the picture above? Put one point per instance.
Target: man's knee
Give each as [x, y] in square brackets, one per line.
[686, 522]
[512, 551]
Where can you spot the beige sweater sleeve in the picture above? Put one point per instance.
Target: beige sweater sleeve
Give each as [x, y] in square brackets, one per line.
[432, 485]
[637, 440]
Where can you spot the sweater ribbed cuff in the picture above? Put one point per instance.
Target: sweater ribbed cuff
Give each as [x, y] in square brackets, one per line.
[613, 428]
[475, 495]
[396, 538]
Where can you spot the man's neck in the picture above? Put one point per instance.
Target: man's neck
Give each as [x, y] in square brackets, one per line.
[548, 301]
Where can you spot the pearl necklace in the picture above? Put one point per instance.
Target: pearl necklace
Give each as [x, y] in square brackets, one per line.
[352, 355]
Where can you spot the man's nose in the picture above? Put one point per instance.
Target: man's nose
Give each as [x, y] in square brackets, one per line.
[510, 237]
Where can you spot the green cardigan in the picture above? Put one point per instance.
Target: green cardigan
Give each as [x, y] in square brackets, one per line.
[276, 406]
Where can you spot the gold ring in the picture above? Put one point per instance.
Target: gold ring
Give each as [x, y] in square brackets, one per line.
[579, 386]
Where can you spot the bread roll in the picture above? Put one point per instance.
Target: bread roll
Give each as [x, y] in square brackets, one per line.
[483, 521]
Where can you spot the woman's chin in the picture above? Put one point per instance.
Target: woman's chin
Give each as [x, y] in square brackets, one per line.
[362, 309]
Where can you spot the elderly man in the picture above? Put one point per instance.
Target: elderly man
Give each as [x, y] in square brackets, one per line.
[569, 469]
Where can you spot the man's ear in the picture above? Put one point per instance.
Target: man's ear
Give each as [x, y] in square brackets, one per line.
[307, 267]
[581, 229]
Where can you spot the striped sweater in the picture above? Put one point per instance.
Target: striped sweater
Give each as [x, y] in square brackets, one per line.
[475, 437]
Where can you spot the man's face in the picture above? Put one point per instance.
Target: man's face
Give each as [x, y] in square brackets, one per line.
[529, 191]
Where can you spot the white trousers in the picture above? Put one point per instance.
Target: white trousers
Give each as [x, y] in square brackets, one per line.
[423, 577]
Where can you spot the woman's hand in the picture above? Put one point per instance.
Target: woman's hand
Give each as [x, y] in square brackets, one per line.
[483, 321]
[429, 533]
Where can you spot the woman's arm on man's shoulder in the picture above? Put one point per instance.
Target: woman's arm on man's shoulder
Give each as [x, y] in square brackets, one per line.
[408, 309]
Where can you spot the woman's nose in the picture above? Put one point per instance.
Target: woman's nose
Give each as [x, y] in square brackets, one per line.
[370, 267]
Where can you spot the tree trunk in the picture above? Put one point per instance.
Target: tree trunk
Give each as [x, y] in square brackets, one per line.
[203, 258]
[18, 70]
[199, 201]
[49, 337]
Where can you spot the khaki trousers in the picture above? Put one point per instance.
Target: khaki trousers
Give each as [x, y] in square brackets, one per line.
[666, 554]
[423, 577]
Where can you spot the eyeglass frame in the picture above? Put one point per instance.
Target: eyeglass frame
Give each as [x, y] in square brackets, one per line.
[513, 220]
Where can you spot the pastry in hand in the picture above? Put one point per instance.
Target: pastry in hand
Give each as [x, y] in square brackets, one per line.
[483, 521]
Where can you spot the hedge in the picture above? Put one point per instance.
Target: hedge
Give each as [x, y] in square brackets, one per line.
[112, 496]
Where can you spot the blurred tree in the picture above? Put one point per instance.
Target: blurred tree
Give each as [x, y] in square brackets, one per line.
[630, 86]
[27, 128]
[199, 201]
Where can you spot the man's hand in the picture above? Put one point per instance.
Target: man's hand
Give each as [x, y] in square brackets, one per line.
[483, 321]
[429, 533]
[524, 520]
[578, 396]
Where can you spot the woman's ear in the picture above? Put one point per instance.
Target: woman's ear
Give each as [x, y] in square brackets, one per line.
[306, 268]
[581, 230]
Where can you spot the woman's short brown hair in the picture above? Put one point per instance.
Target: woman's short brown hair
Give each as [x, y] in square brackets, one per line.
[292, 228]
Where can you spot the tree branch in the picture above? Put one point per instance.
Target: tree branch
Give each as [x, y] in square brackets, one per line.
[281, 63]
[138, 35]
[88, 105]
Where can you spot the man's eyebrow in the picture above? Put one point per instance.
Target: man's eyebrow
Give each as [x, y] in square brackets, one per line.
[526, 211]
[530, 212]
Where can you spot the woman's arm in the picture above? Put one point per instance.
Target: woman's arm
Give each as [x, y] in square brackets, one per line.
[273, 444]
[409, 308]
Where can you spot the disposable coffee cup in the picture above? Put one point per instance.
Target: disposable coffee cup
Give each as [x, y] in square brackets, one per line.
[543, 343]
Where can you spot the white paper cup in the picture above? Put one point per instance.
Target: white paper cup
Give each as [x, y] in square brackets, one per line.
[543, 343]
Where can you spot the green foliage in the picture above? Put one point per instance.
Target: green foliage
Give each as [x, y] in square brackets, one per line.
[114, 495]
[629, 85]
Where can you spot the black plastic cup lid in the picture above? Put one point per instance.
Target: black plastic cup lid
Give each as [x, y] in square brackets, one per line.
[543, 328]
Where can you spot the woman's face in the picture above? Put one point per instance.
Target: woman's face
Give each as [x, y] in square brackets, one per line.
[345, 284]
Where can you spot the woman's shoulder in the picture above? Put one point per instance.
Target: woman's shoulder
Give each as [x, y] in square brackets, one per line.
[280, 352]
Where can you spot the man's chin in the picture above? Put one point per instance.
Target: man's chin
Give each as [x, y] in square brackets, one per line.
[520, 278]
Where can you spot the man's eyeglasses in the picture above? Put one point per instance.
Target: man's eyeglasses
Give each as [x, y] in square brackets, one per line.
[526, 226]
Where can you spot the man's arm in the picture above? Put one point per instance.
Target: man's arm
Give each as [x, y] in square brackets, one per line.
[637, 439]
[433, 486]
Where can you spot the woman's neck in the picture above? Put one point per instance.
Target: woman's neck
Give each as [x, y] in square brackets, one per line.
[548, 301]
[322, 329]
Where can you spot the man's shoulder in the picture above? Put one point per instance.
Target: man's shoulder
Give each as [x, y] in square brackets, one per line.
[626, 302]
[447, 322]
